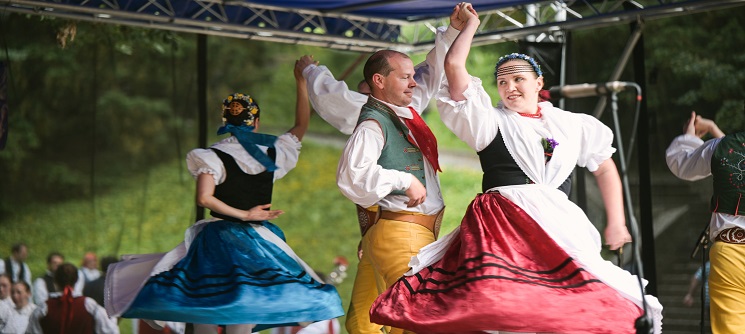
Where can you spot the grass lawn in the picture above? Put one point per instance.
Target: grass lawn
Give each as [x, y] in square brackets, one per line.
[149, 212]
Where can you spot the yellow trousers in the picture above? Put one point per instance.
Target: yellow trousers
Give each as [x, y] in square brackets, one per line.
[387, 249]
[727, 288]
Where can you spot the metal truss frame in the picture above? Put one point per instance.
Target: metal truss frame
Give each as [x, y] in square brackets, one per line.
[337, 29]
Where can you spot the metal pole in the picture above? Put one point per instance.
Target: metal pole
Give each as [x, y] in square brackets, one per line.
[202, 98]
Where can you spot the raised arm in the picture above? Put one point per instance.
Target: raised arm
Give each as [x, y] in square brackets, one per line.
[688, 156]
[699, 127]
[331, 99]
[455, 60]
[302, 108]
[430, 73]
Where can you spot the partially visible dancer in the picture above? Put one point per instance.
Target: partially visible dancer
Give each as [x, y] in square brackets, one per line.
[525, 258]
[18, 321]
[234, 269]
[68, 312]
[690, 158]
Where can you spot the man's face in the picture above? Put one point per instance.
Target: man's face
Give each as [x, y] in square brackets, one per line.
[54, 263]
[397, 87]
[21, 254]
[4, 287]
[19, 294]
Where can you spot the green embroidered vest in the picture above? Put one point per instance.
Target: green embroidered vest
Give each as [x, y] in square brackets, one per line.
[728, 169]
[398, 153]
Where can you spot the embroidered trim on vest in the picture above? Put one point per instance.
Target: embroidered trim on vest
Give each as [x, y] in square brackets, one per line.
[396, 142]
[728, 169]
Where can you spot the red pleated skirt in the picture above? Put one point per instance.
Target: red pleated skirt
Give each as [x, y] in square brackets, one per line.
[504, 273]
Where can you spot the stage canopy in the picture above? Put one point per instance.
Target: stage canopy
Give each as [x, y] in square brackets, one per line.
[362, 25]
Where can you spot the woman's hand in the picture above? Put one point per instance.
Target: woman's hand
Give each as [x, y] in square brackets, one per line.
[261, 213]
[616, 235]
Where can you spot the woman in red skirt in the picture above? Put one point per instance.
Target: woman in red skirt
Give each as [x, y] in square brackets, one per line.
[525, 258]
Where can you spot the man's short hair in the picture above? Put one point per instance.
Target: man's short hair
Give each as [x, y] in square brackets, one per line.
[378, 63]
[54, 254]
[17, 247]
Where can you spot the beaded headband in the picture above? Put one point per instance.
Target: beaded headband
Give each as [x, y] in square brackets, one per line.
[236, 103]
[532, 67]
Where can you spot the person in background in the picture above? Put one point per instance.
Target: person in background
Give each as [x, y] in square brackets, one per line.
[693, 286]
[95, 288]
[18, 321]
[5, 290]
[45, 284]
[691, 158]
[15, 265]
[521, 240]
[68, 312]
[89, 268]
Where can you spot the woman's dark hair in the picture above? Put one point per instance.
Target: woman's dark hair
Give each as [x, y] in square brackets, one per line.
[66, 274]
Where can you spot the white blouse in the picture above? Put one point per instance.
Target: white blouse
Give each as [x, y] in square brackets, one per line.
[366, 183]
[689, 158]
[582, 139]
[200, 161]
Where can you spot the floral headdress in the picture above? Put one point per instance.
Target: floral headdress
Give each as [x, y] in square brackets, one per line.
[512, 56]
[239, 108]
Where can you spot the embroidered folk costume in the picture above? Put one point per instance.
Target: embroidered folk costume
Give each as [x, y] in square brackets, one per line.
[690, 158]
[229, 271]
[525, 258]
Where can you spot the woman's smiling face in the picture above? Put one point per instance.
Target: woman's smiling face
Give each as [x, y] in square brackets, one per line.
[519, 89]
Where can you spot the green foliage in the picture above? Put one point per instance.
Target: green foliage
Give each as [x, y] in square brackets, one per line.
[697, 65]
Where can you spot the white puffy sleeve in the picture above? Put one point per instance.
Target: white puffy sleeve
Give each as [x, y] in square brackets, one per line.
[430, 73]
[596, 142]
[34, 324]
[288, 148]
[205, 161]
[474, 119]
[359, 176]
[332, 99]
[689, 157]
[104, 323]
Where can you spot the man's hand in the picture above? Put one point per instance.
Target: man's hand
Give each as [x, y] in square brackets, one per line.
[462, 12]
[302, 63]
[416, 192]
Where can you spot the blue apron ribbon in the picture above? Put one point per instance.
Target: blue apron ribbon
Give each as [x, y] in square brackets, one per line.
[249, 140]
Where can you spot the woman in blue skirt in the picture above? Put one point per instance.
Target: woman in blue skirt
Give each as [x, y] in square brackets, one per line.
[235, 268]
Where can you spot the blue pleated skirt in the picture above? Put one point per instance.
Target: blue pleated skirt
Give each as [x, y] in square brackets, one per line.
[232, 274]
